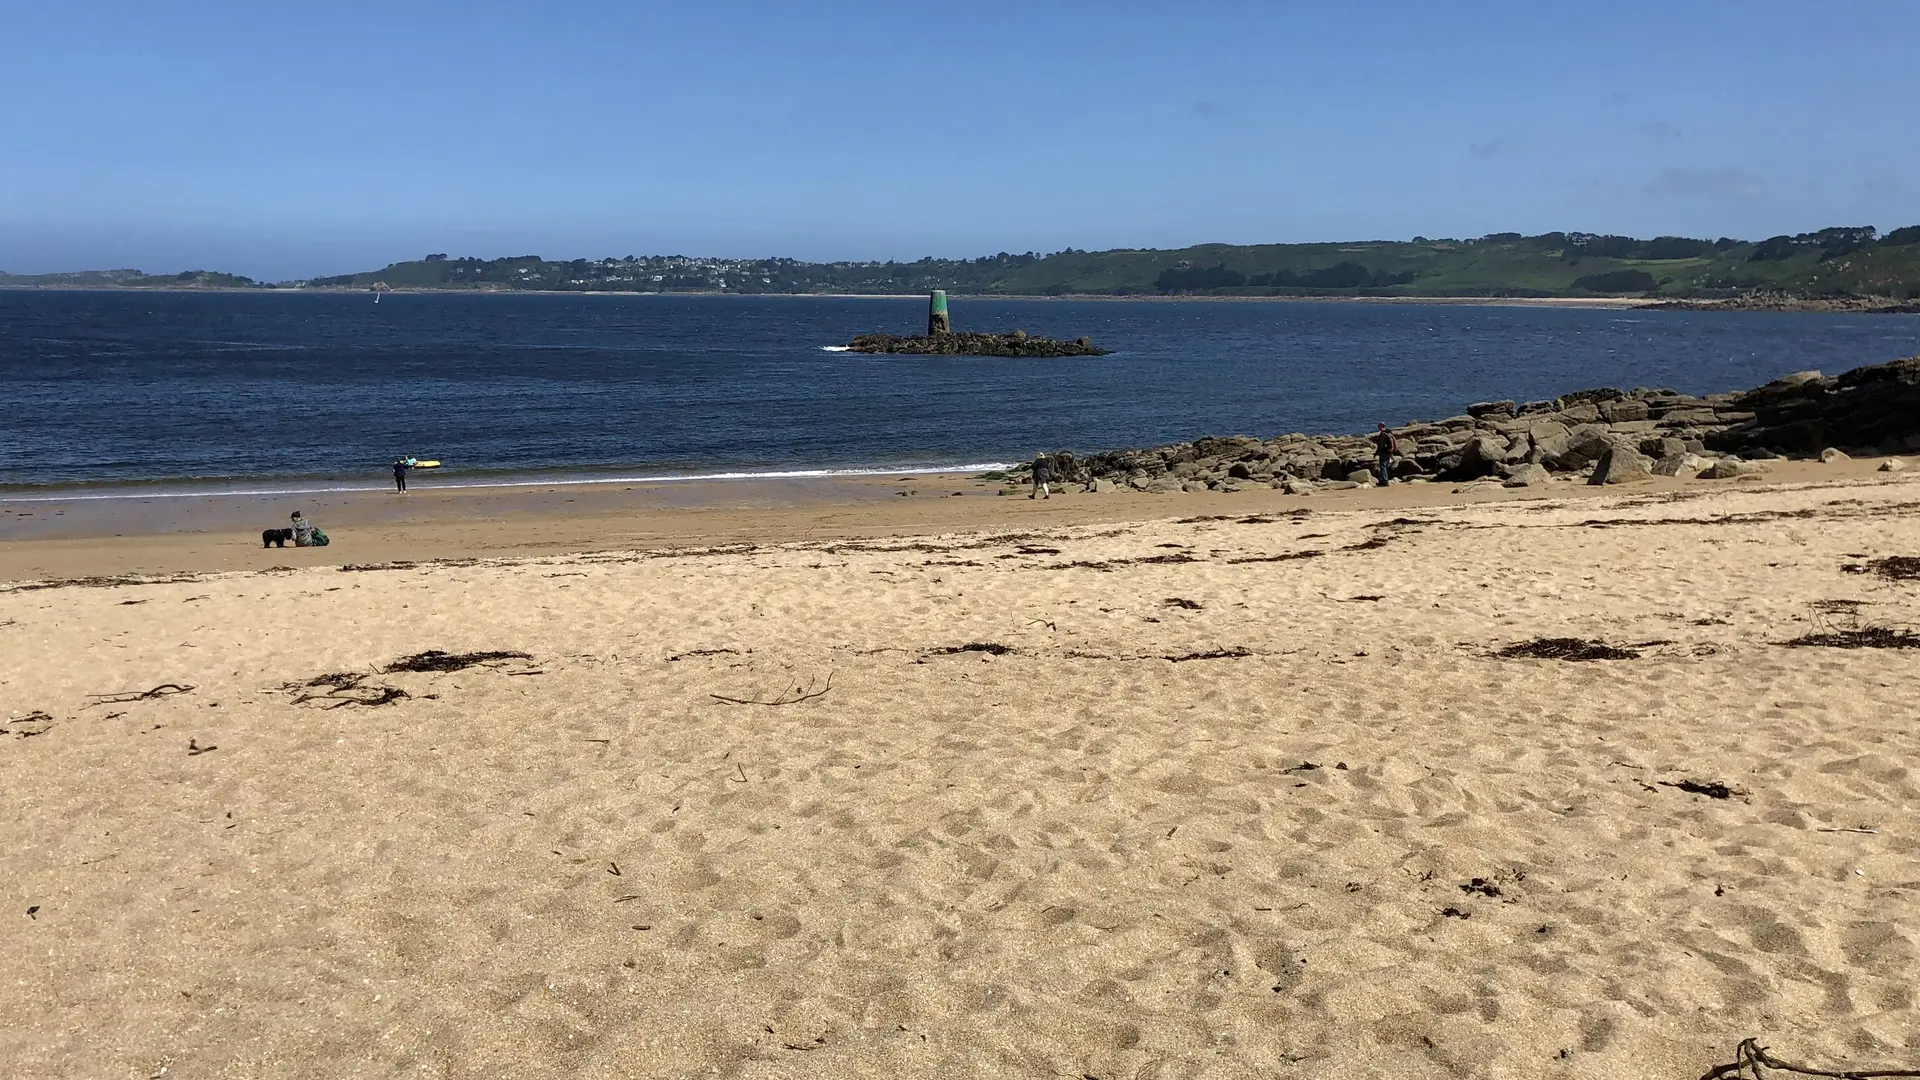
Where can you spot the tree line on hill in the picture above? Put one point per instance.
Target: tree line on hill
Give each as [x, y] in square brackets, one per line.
[1848, 261]
[1341, 275]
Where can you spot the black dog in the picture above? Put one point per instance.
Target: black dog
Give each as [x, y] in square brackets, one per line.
[275, 537]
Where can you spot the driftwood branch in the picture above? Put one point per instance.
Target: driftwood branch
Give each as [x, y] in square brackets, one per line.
[792, 695]
[124, 696]
[369, 696]
[1749, 1058]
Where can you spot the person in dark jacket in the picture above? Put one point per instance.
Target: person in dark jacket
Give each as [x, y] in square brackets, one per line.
[400, 475]
[1042, 476]
[1384, 447]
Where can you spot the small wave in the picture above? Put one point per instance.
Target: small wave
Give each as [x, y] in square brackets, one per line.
[250, 346]
[835, 348]
[656, 478]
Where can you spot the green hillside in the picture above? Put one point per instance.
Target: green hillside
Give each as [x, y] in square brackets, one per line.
[1844, 262]
[128, 279]
[1829, 264]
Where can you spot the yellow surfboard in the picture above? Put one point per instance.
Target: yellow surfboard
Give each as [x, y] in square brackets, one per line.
[426, 464]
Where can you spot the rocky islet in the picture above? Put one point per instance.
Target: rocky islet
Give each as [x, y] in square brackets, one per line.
[975, 343]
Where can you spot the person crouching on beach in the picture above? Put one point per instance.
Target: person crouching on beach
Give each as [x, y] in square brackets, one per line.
[1042, 476]
[1384, 447]
[306, 533]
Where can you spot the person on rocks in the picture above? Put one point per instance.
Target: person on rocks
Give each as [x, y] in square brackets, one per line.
[1042, 476]
[1384, 447]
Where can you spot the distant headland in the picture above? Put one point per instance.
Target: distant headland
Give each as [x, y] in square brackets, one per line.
[1854, 268]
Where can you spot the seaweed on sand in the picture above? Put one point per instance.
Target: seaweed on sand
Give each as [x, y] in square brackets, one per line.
[1867, 637]
[1712, 789]
[341, 689]
[1565, 648]
[992, 648]
[1289, 556]
[435, 660]
[1892, 567]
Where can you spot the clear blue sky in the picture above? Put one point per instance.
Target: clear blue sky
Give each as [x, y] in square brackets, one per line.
[289, 139]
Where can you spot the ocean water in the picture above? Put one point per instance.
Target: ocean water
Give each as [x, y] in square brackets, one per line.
[257, 391]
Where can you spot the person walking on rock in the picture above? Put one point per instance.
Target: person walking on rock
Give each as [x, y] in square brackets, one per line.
[1042, 476]
[1384, 447]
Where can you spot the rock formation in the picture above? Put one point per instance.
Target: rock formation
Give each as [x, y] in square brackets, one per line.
[1866, 305]
[974, 343]
[1606, 436]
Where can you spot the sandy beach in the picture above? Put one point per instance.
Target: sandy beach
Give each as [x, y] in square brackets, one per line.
[794, 782]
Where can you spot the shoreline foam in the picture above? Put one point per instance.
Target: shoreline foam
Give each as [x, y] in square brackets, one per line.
[161, 489]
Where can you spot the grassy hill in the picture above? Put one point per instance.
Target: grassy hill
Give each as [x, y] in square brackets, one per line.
[128, 279]
[1849, 262]
[1510, 265]
[1831, 263]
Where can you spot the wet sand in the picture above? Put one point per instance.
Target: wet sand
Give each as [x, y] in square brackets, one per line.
[82, 537]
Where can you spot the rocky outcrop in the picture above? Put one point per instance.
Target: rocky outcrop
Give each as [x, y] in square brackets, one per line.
[1869, 408]
[974, 343]
[1604, 435]
[1868, 305]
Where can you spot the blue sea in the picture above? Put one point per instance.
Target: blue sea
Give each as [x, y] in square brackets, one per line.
[152, 391]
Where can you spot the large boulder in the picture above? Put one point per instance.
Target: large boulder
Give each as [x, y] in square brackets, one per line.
[1683, 464]
[1528, 475]
[1589, 397]
[1621, 465]
[1586, 444]
[1732, 469]
[1682, 412]
[1231, 447]
[1623, 411]
[1479, 457]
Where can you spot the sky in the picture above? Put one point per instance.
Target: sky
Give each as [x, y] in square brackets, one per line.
[290, 140]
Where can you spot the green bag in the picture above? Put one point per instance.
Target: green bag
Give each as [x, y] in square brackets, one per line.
[319, 539]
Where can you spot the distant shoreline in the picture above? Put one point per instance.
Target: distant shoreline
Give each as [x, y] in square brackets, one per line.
[1465, 301]
[1801, 305]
